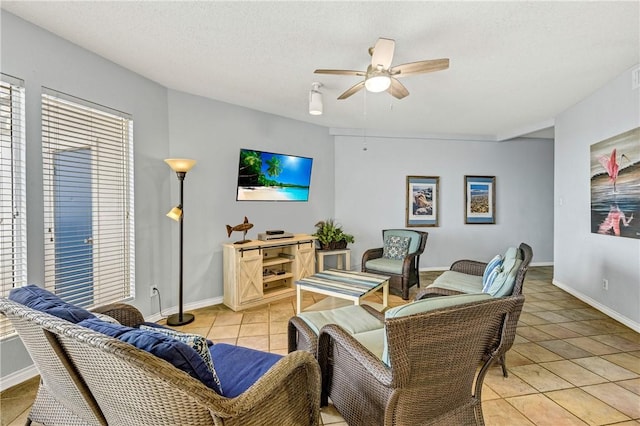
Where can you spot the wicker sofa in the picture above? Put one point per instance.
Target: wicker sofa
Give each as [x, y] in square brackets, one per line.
[465, 276]
[90, 378]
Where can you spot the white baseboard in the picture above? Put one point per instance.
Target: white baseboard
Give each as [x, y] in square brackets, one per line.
[434, 268]
[189, 306]
[18, 377]
[532, 264]
[599, 306]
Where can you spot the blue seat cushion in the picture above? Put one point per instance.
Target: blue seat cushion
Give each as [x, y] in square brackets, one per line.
[381, 264]
[354, 319]
[238, 368]
[458, 281]
[179, 354]
[43, 300]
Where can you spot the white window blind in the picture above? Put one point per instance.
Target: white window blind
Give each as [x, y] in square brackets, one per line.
[13, 219]
[87, 152]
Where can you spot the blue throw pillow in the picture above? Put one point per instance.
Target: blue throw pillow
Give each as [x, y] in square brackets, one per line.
[493, 268]
[239, 368]
[395, 247]
[179, 354]
[197, 342]
[43, 300]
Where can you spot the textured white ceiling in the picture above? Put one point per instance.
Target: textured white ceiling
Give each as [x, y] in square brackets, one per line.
[514, 65]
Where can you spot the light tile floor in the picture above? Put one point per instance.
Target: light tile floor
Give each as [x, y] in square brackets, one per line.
[570, 364]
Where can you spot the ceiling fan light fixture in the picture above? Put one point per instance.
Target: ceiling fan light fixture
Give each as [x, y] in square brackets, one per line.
[377, 80]
[315, 99]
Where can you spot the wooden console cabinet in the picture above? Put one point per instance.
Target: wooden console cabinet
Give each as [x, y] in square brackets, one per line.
[260, 272]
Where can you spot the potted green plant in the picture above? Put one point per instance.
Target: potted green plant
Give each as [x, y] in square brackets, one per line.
[331, 236]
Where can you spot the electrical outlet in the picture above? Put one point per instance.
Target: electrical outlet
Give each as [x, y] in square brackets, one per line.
[605, 284]
[153, 290]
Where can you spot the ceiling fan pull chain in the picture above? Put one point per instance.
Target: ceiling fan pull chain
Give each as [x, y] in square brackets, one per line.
[364, 128]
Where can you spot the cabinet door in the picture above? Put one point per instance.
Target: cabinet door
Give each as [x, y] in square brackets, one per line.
[305, 260]
[250, 276]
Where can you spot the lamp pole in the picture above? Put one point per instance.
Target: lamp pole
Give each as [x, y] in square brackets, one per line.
[180, 318]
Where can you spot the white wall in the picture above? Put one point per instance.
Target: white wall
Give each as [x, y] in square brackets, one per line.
[371, 194]
[583, 259]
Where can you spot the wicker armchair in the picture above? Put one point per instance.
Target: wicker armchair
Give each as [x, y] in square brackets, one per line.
[434, 357]
[406, 273]
[90, 378]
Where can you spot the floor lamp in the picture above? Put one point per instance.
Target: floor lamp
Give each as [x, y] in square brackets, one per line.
[181, 166]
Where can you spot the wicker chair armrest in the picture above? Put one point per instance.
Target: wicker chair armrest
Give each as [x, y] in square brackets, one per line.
[125, 314]
[363, 359]
[435, 292]
[408, 261]
[301, 336]
[285, 374]
[373, 311]
[471, 267]
[373, 253]
[508, 332]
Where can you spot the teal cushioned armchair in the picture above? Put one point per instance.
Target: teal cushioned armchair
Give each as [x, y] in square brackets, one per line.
[403, 272]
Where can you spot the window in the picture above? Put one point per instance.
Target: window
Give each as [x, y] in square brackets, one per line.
[13, 219]
[87, 152]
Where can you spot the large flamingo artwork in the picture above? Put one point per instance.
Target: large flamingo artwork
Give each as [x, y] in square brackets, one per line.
[612, 167]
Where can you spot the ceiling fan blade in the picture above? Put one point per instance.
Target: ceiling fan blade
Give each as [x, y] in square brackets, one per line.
[341, 72]
[382, 53]
[420, 67]
[397, 89]
[350, 91]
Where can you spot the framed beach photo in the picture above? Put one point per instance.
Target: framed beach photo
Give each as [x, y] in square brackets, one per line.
[479, 200]
[422, 200]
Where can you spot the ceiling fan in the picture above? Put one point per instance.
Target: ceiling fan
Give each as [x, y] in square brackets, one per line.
[381, 76]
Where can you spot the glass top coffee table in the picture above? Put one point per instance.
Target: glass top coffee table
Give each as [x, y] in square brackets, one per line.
[349, 285]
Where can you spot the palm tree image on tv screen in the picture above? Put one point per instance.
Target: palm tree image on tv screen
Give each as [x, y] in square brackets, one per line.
[267, 176]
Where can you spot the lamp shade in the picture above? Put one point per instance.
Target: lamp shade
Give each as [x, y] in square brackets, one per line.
[180, 164]
[175, 213]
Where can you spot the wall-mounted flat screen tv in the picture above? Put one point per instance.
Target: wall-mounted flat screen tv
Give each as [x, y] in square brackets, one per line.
[267, 176]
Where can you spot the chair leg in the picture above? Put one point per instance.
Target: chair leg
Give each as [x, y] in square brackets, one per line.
[503, 362]
[405, 288]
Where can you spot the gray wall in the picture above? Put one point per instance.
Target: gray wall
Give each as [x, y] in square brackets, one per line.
[371, 194]
[166, 123]
[213, 132]
[583, 259]
[41, 59]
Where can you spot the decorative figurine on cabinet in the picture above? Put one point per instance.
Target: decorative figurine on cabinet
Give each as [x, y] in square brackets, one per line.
[244, 227]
